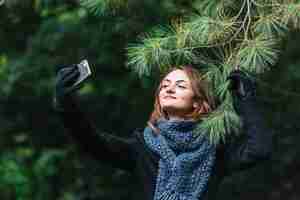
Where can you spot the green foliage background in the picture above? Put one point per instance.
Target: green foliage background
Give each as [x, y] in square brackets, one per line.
[38, 160]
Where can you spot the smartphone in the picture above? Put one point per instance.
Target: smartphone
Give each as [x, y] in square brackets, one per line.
[84, 70]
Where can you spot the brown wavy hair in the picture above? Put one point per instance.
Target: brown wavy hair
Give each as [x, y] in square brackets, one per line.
[202, 96]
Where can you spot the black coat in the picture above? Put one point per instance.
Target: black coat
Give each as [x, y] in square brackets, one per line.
[132, 154]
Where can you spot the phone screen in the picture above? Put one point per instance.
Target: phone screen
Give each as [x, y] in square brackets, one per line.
[84, 70]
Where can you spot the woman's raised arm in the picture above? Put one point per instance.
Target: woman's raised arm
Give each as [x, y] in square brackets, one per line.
[256, 142]
[254, 145]
[104, 147]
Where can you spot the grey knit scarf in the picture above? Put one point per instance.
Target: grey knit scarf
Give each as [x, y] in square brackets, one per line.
[186, 160]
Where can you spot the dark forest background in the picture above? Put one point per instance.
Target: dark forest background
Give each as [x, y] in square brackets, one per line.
[38, 160]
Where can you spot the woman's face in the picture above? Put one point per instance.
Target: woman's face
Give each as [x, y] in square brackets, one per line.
[176, 96]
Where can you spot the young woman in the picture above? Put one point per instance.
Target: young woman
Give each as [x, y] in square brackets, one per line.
[171, 161]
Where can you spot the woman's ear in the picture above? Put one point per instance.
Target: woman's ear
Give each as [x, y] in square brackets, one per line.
[195, 105]
[203, 108]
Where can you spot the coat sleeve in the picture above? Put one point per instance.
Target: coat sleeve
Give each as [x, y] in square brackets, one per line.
[254, 145]
[104, 147]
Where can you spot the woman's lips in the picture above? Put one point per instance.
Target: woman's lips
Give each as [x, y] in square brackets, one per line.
[169, 97]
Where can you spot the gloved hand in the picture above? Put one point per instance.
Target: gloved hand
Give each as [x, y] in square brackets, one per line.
[66, 76]
[242, 84]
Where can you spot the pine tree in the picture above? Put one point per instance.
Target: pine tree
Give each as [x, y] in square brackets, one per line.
[216, 37]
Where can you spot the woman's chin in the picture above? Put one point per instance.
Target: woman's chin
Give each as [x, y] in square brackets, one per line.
[168, 107]
[171, 109]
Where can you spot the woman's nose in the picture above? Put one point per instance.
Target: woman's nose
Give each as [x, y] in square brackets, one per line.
[171, 89]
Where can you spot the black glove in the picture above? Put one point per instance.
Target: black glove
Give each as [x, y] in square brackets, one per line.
[66, 76]
[242, 84]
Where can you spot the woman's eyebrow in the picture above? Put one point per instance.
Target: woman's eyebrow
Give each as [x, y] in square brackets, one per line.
[178, 81]
[181, 81]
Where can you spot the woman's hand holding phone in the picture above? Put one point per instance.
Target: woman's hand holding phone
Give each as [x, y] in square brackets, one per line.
[65, 79]
[69, 79]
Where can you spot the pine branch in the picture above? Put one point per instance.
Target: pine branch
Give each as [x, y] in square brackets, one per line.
[219, 123]
[153, 52]
[270, 25]
[206, 31]
[258, 54]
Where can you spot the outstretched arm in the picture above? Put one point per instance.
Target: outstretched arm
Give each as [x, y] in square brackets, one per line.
[104, 147]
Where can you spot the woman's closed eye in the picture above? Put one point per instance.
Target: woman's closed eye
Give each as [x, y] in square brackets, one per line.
[164, 86]
[182, 86]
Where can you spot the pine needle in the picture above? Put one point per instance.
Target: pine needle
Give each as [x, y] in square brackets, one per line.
[270, 25]
[152, 52]
[208, 31]
[258, 54]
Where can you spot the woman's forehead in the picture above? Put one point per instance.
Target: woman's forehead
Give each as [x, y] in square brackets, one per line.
[176, 75]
